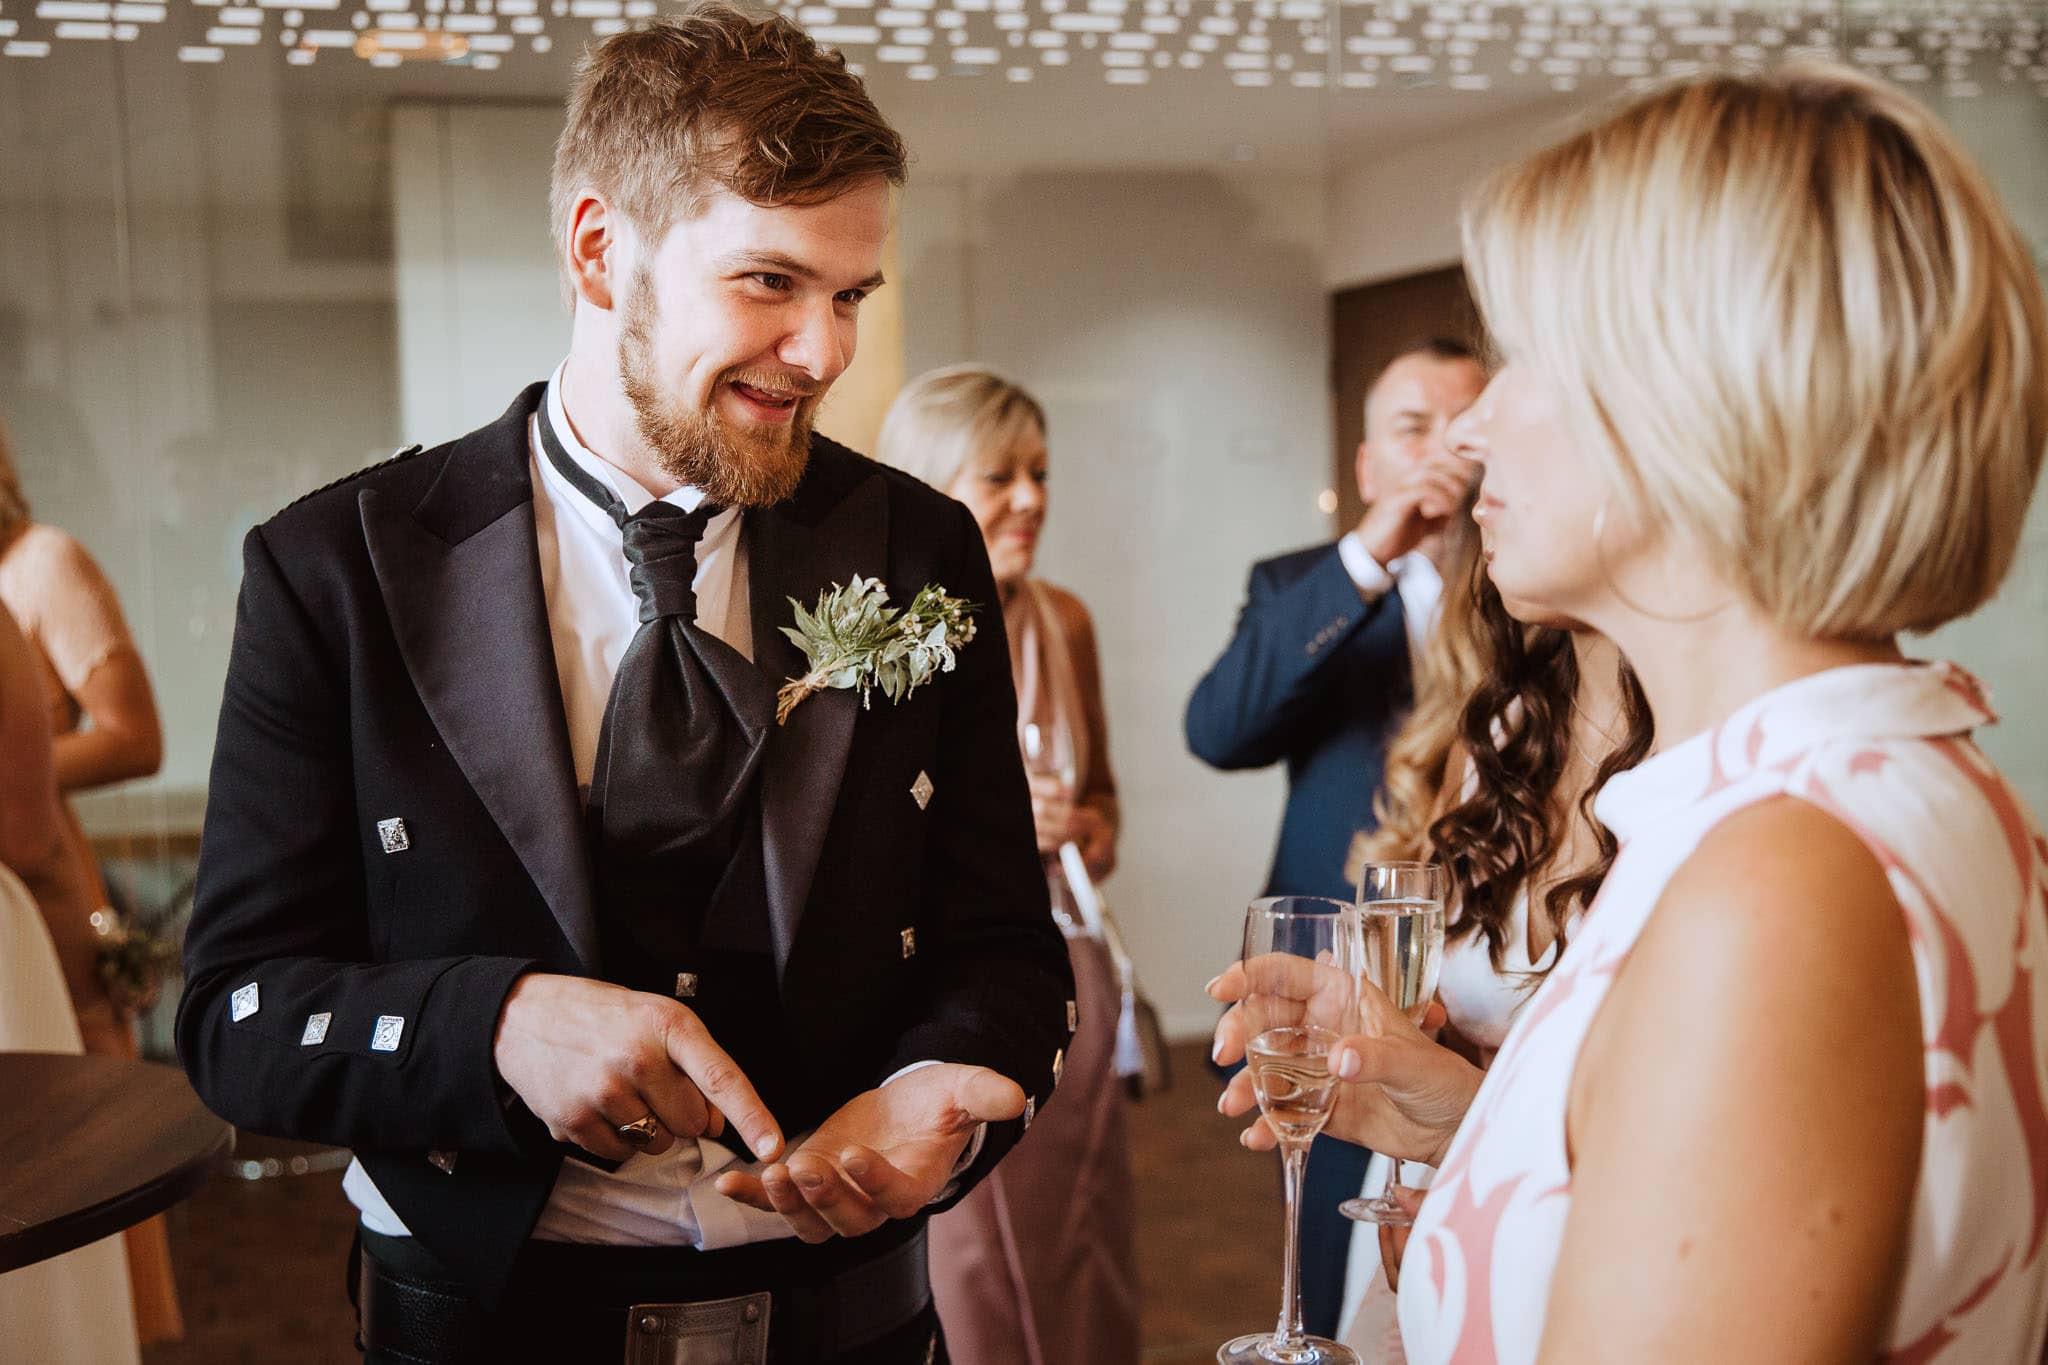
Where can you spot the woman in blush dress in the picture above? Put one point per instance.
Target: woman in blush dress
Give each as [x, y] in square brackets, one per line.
[103, 717]
[1037, 1265]
[71, 1309]
[1776, 393]
[1550, 712]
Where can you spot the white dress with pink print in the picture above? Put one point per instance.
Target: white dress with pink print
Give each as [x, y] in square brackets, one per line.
[1885, 749]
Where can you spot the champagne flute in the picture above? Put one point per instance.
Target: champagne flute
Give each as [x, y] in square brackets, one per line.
[1401, 934]
[1301, 996]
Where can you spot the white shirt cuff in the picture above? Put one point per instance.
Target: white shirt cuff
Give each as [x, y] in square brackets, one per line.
[967, 1154]
[1366, 572]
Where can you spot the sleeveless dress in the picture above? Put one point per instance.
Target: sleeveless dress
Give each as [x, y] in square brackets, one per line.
[1482, 1004]
[70, 615]
[1885, 749]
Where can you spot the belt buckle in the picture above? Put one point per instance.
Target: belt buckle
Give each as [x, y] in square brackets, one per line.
[713, 1332]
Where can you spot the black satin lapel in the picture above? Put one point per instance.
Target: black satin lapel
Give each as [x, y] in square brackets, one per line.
[806, 758]
[472, 628]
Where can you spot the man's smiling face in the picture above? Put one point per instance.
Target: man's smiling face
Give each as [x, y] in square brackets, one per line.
[735, 324]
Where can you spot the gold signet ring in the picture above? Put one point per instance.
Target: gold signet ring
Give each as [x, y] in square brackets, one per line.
[640, 1131]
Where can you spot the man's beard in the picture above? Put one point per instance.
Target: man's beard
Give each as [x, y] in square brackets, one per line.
[734, 466]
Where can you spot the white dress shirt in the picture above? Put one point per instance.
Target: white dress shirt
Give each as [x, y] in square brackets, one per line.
[665, 1200]
[1422, 588]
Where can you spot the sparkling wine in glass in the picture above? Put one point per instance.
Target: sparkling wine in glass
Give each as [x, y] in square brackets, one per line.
[1301, 995]
[1401, 938]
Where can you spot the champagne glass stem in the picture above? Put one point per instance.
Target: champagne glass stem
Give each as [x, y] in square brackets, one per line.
[1287, 1333]
[1386, 1197]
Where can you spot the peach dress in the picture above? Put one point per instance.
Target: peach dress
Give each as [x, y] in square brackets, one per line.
[1886, 750]
[72, 619]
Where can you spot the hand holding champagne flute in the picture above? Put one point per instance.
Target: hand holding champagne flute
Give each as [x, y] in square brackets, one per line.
[1401, 927]
[1300, 975]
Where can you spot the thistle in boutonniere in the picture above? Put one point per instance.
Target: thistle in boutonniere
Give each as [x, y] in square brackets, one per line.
[856, 639]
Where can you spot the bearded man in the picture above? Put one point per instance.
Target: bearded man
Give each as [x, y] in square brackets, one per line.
[657, 1026]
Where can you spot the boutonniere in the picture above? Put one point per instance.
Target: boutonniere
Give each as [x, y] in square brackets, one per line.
[854, 638]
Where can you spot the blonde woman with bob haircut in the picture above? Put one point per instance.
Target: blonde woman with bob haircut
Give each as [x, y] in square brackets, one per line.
[1037, 1265]
[1776, 391]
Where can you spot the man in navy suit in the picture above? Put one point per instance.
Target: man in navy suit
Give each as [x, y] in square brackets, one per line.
[1319, 674]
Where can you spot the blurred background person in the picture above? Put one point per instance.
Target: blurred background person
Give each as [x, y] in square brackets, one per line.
[72, 1309]
[1515, 729]
[1318, 674]
[1036, 1266]
[103, 718]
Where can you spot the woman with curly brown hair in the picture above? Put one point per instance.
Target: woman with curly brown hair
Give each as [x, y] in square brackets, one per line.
[1520, 721]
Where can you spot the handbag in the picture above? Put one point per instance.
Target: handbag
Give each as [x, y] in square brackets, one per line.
[1140, 1057]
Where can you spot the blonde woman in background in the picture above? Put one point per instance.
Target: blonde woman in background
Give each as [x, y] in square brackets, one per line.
[1776, 393]
[1516, 727]
[1036, 1266]
[103, 717]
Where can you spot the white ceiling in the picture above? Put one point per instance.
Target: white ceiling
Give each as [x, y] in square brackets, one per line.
[1006, 109]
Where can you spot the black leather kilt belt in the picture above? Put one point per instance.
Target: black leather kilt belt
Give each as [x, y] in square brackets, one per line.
[768, 1303]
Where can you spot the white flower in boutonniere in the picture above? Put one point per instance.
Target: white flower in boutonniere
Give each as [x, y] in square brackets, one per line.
[856, 639]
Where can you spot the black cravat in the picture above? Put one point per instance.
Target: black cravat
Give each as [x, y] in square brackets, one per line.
[684, 729]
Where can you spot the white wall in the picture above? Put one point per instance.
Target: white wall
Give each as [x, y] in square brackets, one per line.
[479, 312]
[1176, 331]
[1393, 211]
[181, 374]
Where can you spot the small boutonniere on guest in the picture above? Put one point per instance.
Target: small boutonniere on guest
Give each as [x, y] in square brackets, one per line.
[855, 639]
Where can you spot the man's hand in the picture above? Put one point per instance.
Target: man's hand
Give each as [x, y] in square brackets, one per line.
[1417, 507]
[885, 1154]
[587, 1057]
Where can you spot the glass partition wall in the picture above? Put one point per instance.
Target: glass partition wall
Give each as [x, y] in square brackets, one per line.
[249, 249]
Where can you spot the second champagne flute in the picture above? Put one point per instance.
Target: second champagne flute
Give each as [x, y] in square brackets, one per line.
[1401, 933]
[1301, 996]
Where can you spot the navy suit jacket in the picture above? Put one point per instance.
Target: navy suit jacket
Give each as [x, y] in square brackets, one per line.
[1317, 677]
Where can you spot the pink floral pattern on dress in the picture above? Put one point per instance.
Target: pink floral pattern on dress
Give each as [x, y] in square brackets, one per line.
[1885, 750]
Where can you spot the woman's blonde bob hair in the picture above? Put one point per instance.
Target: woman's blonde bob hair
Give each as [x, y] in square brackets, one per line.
[944, 416]
[1790, 318]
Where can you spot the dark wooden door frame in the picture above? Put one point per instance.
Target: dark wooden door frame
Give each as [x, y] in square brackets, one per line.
[1370, 325]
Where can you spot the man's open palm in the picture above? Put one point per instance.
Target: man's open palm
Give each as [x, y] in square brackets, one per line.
[885, 1154]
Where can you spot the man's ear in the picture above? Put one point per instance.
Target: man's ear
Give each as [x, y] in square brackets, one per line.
[596, 251]
[1364, 472]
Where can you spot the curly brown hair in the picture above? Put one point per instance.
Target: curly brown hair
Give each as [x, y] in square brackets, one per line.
[1516, 731]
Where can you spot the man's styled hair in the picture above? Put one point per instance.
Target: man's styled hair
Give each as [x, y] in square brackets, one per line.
[715, 99]
[1789, 319]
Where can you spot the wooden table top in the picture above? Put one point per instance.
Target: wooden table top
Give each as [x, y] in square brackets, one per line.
[90, 1145]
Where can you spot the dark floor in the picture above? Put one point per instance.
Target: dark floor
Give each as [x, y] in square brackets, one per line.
[259, 1262]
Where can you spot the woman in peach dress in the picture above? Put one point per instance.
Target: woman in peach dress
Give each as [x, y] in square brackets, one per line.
[104, 722]
[70, 1309]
